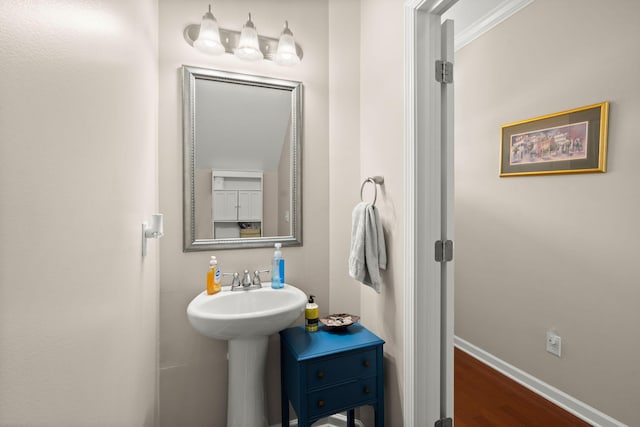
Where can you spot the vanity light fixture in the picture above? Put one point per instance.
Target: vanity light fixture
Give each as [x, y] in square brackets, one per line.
[247, 44]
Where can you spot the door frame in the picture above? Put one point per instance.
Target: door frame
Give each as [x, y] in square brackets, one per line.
[423, 296]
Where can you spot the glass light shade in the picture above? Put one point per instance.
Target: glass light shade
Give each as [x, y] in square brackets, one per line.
[248, 47]
[286, 53]
[208, 40]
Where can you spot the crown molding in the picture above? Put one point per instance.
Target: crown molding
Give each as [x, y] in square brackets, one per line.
[492, 18]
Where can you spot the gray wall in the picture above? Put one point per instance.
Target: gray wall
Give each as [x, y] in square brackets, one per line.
[78, 175]
[552, 251]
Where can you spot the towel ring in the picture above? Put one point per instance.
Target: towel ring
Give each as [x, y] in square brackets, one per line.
[374, 180]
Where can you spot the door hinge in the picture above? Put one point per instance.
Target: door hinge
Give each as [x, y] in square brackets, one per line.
[444, 250]
[444, 71]
[444, 422]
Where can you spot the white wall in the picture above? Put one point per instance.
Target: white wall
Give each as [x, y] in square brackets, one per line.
[344, 148]
[382, 153]
[353, 118]
[193, 368]
[366, 129]
[552, 251]
[78, 126]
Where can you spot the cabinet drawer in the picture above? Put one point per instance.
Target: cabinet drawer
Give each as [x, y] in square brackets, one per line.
[336, 399]
[335, 369]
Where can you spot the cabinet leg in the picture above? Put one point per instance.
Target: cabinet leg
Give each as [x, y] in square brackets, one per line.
[379, 414]
[351, 418]
[284, 410]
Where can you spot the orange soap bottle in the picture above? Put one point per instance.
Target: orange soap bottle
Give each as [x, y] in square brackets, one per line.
[213, 277]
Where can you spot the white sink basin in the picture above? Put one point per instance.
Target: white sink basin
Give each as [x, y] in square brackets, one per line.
[246, 319]
[259, 312]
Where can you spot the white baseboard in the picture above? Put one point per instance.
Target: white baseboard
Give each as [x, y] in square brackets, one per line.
[336, 420]
[558, 397]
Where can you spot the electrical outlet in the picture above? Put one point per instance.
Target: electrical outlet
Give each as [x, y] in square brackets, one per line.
[554, 343]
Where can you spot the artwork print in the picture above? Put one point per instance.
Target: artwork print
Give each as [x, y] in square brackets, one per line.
[550, 145]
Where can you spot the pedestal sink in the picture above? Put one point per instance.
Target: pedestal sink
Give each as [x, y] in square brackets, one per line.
[246, 319]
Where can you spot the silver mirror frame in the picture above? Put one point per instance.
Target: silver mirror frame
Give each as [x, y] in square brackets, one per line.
[190, 243]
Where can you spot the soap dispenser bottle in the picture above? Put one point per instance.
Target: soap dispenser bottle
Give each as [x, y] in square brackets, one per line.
[277, 268]
[213, 277]
[311, 315]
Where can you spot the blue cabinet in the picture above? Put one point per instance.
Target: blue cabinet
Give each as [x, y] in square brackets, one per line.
[326, 372]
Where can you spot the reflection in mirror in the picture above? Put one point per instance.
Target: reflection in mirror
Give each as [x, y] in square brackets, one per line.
[241, 160]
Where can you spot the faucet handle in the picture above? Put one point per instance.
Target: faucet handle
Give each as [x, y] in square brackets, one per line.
[235, 282]
[256, 277]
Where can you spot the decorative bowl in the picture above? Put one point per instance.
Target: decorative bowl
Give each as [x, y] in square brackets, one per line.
[339, 320]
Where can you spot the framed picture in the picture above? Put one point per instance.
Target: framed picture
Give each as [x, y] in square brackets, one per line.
[573, 141]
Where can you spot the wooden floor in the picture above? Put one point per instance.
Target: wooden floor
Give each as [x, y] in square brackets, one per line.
[483, 397]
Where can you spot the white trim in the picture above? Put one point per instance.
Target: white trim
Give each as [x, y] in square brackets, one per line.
[492, 18]
[422, 297]
[335, 420]
[447, 282]
[552, 394]
[237, 174]
[409, 209]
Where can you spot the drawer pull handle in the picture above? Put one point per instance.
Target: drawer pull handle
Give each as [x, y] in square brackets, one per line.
[366, 390]
[365, 363]
[320, 375]
[320, 403]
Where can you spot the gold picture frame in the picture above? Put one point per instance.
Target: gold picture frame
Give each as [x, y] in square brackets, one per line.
[572, 141]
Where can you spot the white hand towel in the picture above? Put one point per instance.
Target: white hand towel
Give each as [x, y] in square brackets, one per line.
[368, 253]
[357, 266]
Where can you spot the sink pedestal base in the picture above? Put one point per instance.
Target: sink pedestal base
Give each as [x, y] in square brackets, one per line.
[247, 405]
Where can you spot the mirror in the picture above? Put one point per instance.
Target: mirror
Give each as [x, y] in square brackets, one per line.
[242, 177]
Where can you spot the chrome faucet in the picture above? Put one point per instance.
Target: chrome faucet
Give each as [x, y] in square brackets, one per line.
[247, 282]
